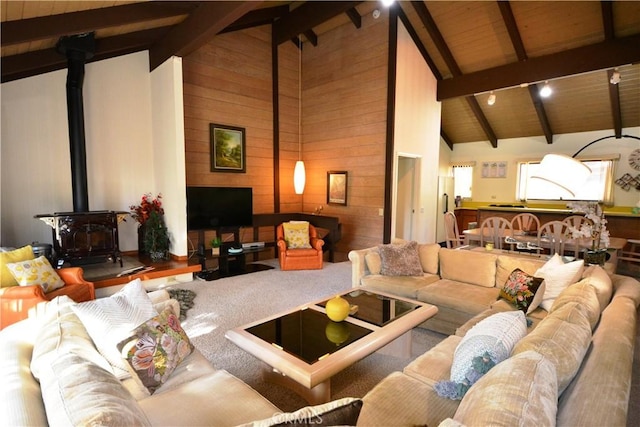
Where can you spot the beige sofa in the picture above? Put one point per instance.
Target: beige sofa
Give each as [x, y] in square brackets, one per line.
[572, 368]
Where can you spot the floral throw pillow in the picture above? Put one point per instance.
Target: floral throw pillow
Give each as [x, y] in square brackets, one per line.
[36, 272]
[523, 290]
[155, 349]
[296, 234]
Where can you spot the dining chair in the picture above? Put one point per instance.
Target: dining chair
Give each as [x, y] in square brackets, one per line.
[526, 222]
[453, 238]
[494, 230]
[554, 235]
[576, 221]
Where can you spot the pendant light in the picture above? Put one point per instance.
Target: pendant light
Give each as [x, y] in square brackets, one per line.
[299, 174]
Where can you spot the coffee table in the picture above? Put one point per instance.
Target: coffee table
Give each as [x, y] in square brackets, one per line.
[303, 348]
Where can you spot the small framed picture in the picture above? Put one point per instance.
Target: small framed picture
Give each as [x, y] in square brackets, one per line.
[337, 188]
[228, 148]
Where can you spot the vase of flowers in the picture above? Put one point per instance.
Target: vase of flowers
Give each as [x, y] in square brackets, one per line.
[152, 231]
[594, 229]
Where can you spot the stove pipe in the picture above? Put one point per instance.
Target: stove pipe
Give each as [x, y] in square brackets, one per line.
[77, 49]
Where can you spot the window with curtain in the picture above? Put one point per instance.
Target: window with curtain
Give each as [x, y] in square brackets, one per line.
[463, 180]
[598, 188]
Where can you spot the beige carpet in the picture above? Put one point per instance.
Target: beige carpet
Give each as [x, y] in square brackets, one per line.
[224, 304]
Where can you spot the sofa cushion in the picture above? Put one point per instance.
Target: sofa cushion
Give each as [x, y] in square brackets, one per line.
[485, 345]
[61, 332]
[155, 349]
[435, 364]
[597, 277]
[400, 259]
[428, 253]
[21, 254]
[523, 290]
[476, 268]
[585, 295]
[459, 296]
[563, 337]
[110, 320]
[557, 276]
[507, 263]
[77, 392]
[404, 286]
[36, 271]
[296, 234]
[523, 392]
[340, 412]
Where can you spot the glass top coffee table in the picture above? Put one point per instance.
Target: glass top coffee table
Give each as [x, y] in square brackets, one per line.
[304, 348]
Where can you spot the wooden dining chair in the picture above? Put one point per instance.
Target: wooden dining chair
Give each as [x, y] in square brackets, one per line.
[576, 221]
[453, 238]
[526, 222]
[554, 235]
[494, 230]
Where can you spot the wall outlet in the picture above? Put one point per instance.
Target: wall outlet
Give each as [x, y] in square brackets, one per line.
[381, 212]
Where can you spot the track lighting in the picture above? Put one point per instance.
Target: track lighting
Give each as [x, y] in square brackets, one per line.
[546, 91]
[492, 99]
[615, 77]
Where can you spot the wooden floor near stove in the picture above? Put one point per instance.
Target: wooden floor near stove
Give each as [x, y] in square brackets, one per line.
[160, 269]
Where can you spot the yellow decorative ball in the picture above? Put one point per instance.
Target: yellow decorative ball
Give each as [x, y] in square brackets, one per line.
[337, 308]
[337, 333]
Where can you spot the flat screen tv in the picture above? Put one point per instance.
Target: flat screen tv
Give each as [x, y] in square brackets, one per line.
[209, 208]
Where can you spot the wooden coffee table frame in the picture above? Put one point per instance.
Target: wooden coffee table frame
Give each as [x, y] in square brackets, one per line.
[312, 381]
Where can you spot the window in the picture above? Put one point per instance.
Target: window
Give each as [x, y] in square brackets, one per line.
[597, 188]
[463, 179]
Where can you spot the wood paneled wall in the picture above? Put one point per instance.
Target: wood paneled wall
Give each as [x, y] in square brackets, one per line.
[344, 79]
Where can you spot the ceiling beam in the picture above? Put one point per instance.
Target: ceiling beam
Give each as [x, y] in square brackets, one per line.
[521, 53]
[446, 139]
[598, 56]
[29, 64]
[431, 27]
[355, 17]
[200, 27]
[257, 17]
[312, 37]
[614, 91]
[307, 16]
[32, 29]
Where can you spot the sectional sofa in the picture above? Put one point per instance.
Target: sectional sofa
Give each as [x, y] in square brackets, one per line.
[572, 367]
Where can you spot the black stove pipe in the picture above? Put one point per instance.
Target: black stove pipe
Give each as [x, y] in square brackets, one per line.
[78, 49]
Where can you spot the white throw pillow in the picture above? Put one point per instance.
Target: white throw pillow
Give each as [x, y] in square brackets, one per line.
[111, 320]
[557, 276]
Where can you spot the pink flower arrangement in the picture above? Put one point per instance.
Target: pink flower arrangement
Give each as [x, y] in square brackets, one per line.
[147, 205]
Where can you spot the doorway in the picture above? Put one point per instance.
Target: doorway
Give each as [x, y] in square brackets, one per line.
[406, 196]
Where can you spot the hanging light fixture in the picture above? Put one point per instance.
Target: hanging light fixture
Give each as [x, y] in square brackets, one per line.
[546, 90]
[299, 174]
[492, 99]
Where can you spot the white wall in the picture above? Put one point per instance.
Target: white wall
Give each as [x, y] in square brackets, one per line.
[511, 150]
[123, 159]
[417, 130]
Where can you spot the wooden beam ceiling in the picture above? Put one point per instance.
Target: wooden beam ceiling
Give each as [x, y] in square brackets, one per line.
[614, 92]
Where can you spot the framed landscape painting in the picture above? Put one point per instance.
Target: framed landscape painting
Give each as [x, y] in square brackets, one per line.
[228, 146]
[337, 188]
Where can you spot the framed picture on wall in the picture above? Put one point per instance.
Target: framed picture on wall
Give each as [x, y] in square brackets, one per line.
[337, 188]
[228, 148]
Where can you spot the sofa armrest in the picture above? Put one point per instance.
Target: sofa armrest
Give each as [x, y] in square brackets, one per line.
[72, 275]
[358, 266]
[316, 243]
[16, 301]
[626, 286]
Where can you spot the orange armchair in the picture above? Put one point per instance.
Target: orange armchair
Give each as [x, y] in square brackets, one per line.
[300, 258]
[16, 301]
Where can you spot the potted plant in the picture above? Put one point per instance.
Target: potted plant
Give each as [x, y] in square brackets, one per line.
[156, 237]
[141, 214]
[216, 242]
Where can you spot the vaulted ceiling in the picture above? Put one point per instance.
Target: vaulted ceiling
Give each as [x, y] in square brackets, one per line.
[474, 49]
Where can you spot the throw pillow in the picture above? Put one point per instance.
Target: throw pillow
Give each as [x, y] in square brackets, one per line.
[77, 392]
[557, 276]
[110, 320]
[488, 343]
[296, 234]
[155, 349]
[523, 290]
[400, 260]
[36, 272]
[21, 254]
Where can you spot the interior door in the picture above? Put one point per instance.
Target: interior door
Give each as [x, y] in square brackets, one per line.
[446, 203]
[406, 198]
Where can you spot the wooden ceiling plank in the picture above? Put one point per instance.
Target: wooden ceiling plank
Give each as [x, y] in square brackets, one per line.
[598, 56]
[518, 45]
[43, 61]
[614, 97]
[201, 26]
[307, 16]
[257, 17]
[484, 123]
[31, 29]
[355, 17]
